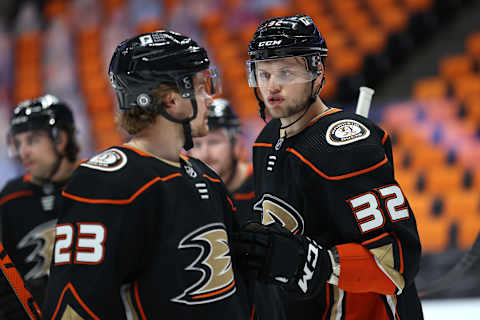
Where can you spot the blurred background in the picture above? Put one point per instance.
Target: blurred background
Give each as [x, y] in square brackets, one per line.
[421, 56]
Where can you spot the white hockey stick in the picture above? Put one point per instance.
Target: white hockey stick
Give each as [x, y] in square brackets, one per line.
[364, 101]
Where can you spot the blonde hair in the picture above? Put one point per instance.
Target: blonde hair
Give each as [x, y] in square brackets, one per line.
[137, 119]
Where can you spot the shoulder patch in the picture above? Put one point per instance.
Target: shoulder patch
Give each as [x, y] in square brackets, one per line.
[109, 160]
[346, 131]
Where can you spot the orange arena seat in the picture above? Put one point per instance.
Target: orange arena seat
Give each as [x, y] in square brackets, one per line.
[455, 66]
[430, 88]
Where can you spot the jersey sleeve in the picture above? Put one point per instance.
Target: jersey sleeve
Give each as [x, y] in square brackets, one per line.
[101, 243]
[378, 248]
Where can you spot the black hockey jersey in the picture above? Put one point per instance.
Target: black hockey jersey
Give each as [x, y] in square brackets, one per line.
[144, 238]
[244, 195]
[27, 229]
[269, 298]
[334, 182]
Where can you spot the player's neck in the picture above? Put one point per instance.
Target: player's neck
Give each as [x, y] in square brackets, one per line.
[164, 139]
[316, 109]
[65, 170]
[240, 174]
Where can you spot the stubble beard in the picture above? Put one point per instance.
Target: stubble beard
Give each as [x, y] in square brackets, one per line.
[289, 110]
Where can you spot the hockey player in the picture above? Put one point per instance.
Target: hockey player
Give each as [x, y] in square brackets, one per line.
[337, 230]
[42, 137]
[144, 232]
[221, 149]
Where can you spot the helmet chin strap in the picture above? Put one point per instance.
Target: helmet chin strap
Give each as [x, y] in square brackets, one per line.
[187, 130]
[261, 104]
[311, 100]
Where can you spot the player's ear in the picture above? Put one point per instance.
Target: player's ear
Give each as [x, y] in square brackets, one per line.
[321, 73]
[238, 148]
[61, 141]
[170, 100]
[318, 82]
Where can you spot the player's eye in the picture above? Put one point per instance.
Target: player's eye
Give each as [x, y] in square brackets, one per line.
[262, 75]
[285, 74]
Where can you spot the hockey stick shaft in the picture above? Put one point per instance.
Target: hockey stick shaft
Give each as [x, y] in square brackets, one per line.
[364, 101]
[15, 281]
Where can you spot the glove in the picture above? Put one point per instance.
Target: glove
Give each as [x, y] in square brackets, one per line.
[277, 256]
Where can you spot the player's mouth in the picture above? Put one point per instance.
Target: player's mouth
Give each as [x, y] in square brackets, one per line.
[275, 100]
[28, 165]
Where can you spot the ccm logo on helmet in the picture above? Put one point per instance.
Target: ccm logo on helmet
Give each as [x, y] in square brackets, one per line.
[269, 43]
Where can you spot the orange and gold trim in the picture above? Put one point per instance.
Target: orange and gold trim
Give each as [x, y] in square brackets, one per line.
[340, 177]
[121, 201]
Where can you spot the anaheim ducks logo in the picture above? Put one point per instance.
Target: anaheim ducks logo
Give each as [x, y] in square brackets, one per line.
[43, 238]
[217, 281]
[109, 160]
[274, 209]
[346, 131]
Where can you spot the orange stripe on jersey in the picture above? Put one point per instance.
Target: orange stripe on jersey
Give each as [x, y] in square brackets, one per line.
[211, 179]
[400, 253]
[384, 138]
[79, 162]
[397, 317]
[335, 110]
[359, 272]
[27, 177]
[327, 301]
[16, 282]
[231, 203]
[261, 144]
[252, 316]
[137, 299]
[214, 293]
[341, 177]
[70, 287]
[121, 201]
[244, 196]
[184, 156]
[250, 170]
[140, 152]
[365, 306]
[383, 235]
[15, 195]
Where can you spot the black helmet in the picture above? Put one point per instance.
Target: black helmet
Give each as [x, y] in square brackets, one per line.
[222, 116]
[141, 63]
[283, 37]
[44, 113]
[287, 37]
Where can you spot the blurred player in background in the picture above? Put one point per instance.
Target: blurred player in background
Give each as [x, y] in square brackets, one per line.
[42, 138]
[336, 229]
[221, 149]
[144, 232]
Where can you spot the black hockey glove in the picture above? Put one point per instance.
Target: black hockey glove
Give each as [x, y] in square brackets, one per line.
[279, 257]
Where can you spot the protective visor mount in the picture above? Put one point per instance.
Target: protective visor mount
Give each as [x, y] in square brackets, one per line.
[206, 80]
[282, 71]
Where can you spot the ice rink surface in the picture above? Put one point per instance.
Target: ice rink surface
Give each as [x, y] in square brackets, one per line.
[448, 309]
